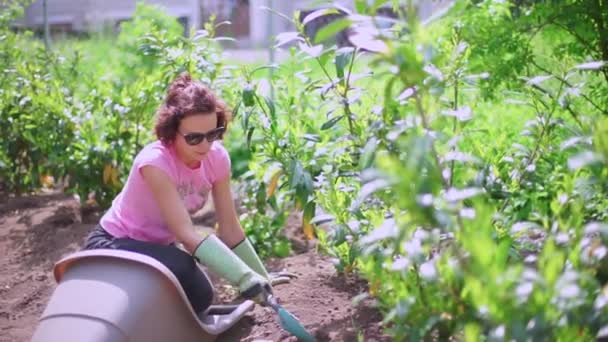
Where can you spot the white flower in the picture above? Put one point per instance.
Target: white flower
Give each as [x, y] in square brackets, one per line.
[562, 238]
[401, 264]
[570, 291]
[600, 302]
[413, 247]
[428, 270]
[425, 200]
[600, 252]
[498, 333]
[524, 290]
[421, 234]
[468, 213]
[530, 259]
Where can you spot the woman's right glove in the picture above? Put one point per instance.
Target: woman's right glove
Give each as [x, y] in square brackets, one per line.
[214, 254]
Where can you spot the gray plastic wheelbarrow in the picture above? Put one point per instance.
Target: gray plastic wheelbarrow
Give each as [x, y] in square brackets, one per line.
[111, 295]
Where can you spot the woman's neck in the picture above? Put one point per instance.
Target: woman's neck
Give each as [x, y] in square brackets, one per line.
[190, 163]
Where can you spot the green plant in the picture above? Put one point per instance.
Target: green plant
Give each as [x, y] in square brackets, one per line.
[456, 233]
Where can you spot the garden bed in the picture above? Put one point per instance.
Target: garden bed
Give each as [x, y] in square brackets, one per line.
[36, 231]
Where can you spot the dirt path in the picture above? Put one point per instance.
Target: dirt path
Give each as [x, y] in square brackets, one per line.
[36, 231]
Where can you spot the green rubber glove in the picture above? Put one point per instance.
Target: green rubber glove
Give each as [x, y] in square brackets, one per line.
[214, 254]
[247, 253]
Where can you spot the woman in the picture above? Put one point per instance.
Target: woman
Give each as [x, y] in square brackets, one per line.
[171, 179]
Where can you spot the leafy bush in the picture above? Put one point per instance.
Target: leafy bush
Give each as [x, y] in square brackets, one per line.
[457, 232]
[71, 117]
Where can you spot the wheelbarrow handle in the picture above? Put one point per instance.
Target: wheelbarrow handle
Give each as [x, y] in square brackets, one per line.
[221, 309]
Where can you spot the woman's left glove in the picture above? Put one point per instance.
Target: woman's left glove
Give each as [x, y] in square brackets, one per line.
[214, 254]
[247, 253]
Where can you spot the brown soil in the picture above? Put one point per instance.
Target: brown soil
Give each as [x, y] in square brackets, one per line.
[37, 230]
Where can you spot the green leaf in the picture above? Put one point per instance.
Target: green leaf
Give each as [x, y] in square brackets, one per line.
[262, 67]
[282, 248]
[343, 57]
[360, 6]
[272, 111]
[248, 95]
[325, 56]
[249, 135]
[311, 137]
[286, 37]
[502, 254]
[300, 181]
[332, 122]
[554, 263]
[472, 332]
[331, 29]
[591, 65]
[367, 157]
[245, 119]
[319, 13]
[260, 198]
[307, 186]
[313, 51]
[295, 172]
[309, 211]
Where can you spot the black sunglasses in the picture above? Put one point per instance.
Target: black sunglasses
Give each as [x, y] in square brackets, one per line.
[196, 138]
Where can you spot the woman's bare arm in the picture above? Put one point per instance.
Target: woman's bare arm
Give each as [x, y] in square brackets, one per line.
[230, 230]
[171, 206]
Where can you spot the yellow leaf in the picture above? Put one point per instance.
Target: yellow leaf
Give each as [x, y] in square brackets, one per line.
[309, 230]
[110, 175]
[107, 173]
[273, 183]
[298, 205]
[348, 269]
[114, 177]
[47, 180]
[373, 288]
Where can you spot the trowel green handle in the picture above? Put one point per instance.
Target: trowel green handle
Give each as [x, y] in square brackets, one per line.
[289, 322]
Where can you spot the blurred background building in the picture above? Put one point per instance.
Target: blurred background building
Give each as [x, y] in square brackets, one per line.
[252, 26]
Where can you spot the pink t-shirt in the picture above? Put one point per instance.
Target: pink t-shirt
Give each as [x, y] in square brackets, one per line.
[135, 213]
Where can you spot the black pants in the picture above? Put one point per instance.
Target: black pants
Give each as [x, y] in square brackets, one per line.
[193, 281]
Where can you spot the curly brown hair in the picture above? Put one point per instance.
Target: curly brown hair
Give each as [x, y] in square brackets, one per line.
[187, 97]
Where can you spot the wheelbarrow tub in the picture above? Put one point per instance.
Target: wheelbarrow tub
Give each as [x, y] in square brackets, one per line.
[112, 295]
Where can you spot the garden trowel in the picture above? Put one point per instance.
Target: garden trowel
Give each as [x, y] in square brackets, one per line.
[288, 321]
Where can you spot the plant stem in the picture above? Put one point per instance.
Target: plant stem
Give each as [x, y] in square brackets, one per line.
[344, 97]
[544, 131]
[563, 80]
[602, 31]
[454, 126]
[420, 287]
[347, 110]
[425, 125]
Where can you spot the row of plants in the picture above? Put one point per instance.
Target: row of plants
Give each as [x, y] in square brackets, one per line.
[75, 116]
[461, 168]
